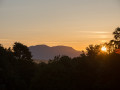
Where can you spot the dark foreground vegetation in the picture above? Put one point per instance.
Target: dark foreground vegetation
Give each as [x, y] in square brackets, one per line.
[94, 70]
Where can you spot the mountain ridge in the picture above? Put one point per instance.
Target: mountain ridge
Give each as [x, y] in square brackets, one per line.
[44, 52]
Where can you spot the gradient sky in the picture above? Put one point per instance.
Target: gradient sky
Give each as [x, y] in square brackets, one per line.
[75, 23]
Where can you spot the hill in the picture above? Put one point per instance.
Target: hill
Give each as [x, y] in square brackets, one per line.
[44, 52]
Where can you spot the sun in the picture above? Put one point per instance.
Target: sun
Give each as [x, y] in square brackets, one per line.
[104, 49]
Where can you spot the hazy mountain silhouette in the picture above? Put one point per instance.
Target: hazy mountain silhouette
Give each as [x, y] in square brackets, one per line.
[44, 52]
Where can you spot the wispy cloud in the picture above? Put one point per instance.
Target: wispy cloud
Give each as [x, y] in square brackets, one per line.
[94, 32]
[101, 32]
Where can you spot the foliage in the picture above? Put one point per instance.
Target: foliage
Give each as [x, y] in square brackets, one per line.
[15, 73]
[94, 70]
[116, 41]
[21, 51]
[93, 50]
[116, 34]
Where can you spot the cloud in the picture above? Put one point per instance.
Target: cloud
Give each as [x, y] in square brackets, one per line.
[6, 42]
[101, 32]
[94, 32]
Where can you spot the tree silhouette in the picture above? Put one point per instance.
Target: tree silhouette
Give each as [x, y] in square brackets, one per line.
[116, 34]
[93, 50]
[21, 51]
[92, 70]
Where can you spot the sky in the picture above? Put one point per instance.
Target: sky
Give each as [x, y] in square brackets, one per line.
[75, 23]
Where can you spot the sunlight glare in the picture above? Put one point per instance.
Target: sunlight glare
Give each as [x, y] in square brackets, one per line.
[104, 49]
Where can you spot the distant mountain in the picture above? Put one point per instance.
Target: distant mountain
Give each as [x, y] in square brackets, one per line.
[44, 52]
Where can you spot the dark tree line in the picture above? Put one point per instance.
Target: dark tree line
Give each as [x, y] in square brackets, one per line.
[16, 67]
[94, 70]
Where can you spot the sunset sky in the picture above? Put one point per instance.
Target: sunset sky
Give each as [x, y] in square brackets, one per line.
[75, 23]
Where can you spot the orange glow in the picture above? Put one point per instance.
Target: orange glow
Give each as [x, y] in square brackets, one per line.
[117, 51]
[104, 49]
